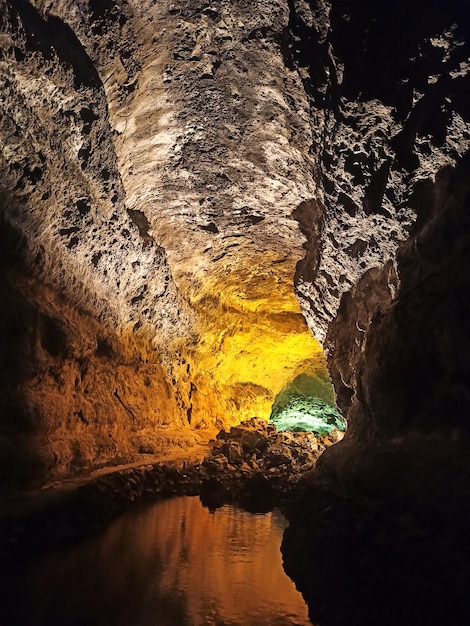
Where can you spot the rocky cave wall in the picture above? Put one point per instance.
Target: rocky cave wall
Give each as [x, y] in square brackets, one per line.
[170, 169]
[379, 532]
[388, 86]
[80, 274]
[153, 158]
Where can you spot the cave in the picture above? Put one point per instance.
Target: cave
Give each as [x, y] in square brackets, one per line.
[234, 234]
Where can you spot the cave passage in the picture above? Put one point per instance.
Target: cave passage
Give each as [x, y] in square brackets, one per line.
[260, 359]
[274, 369]
[306, 405]
[255, 350]
[306, 413]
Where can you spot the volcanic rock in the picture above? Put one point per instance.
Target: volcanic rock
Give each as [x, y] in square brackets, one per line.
[258, 445]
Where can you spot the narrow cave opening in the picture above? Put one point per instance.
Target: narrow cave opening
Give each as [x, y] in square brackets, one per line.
[259, 359]
[303, 407]
[255, 350]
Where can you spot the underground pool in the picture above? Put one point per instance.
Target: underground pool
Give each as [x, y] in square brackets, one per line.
[173, 563]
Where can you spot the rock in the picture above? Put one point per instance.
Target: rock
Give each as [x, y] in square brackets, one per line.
[218, 446]
[274, 451]
[251, 440]
[275, 459]
[234, 452]
[216, 464]
[305, 457]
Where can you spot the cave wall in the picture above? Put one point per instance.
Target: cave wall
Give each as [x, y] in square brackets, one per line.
[155, 160]
[170, 170]
[73, 396]
[386, 287]
[89, 307]
[379, 533]
[388, 89]
[414, 373]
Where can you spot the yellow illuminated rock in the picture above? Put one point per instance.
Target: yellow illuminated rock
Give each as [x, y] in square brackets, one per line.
[253, 342]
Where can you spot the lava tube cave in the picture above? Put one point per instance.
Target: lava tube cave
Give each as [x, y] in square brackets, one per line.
[234, 376]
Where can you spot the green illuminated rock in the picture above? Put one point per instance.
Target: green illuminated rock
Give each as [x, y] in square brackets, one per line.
[307, 413]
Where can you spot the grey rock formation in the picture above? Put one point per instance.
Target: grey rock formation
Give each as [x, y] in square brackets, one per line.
[376, 535]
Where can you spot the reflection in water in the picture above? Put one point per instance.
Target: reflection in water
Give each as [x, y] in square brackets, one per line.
[171, 564]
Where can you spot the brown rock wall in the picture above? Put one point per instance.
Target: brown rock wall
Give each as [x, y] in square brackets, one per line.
[75, 396]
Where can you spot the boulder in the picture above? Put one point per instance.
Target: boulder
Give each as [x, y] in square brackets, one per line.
[251, 440]
[233, 450]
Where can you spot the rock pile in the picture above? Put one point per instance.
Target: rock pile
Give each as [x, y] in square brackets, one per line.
[257, 466]
[256, 445]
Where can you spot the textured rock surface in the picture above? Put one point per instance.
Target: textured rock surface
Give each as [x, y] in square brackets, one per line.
[255, 445]
[387, 114]
[392, 120]
[168, 172]
[155, 160]
[377, 533]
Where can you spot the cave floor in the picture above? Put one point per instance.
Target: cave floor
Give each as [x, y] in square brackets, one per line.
[53, 493]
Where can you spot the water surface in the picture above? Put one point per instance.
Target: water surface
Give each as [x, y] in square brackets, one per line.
[170, 564]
